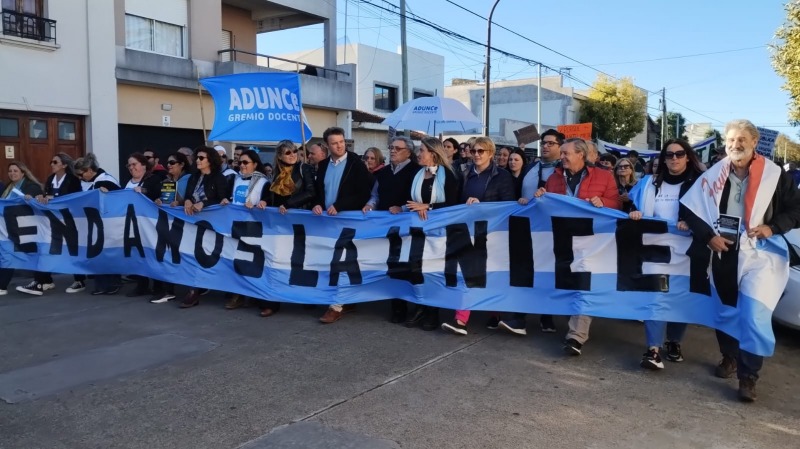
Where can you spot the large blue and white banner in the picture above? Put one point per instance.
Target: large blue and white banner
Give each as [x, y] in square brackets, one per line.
[557, 255]
[257, 107]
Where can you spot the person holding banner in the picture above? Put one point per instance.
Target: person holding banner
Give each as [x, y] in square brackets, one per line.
[534, 179]
[143, 181]
[734, 208]
[61, 182]
[251, 189]
[659, 196]
[390, 192]
[343, 183]
[483, 182]
[206, 187]
[626, 179]
[95, 178]
[435, 185]
[22, 184]
[575, 178]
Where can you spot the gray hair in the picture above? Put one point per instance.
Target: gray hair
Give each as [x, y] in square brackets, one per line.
[580, 146]
[592, 153]
[409, 143]
[743, 125]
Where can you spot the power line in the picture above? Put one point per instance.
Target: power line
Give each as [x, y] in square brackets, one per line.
[684, 56]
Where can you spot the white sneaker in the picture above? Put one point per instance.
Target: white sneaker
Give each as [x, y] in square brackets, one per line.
[49, 286]
[76, 287]
[3, 292]
[162, 299]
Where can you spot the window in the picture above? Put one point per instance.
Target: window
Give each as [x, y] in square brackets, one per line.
[153, 35]
[421, 94]
[37, 129]
[66, 130]
[385, 97]
[26, 19]
[9, 127]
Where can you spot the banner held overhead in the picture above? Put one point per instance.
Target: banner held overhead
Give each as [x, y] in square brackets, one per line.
[257, 107]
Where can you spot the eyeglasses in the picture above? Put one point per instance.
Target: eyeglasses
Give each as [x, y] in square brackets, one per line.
[678, 154]
[200, 158]
[172, 162]
[149, 157]
[626, 166]
[464, 148]
[549, 142]
[55, 162]
[478, 151]
[244, 162]
[392, 147]
[290, 152]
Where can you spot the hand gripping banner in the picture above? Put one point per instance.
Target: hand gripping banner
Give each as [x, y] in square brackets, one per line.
[556, 255]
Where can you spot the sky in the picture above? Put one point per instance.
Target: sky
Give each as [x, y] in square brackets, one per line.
[712, 57]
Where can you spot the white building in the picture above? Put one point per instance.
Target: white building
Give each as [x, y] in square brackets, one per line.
[57, 76]
[378, 84]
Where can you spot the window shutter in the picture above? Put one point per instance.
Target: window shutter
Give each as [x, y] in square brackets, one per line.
[226, 44]
[175, 12]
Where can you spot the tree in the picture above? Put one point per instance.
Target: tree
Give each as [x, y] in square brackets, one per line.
[671, 118]
[786, 149]
[786, 57]
[616, 109]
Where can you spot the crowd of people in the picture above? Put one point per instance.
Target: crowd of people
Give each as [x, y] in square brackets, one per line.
[326, 178]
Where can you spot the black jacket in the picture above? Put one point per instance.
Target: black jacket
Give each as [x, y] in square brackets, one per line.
[304, 195]
[783, 213]
[395, 189]
[29, 187]
[451, 190]
[354, 188]
[215, 187]
[70, 184]
[499, 187]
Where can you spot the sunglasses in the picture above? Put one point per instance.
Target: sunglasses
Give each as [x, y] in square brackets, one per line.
[200, 158]
[290, 152]
[623, 166]
[172, 162]
[55, 162]
[149, 157]
[244, 162]
[676, 155]
[478, 151]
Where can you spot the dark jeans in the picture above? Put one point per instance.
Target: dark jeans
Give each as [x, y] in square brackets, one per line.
[163, 287]
[5, 277]
[106, 281]
[726, 279]
[42, 278]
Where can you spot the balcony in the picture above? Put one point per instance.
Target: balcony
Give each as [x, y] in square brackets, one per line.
[29, 26]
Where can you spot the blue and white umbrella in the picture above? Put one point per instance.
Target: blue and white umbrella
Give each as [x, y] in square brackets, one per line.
[433, 115]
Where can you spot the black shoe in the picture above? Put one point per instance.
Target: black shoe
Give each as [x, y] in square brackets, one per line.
[192, 299]
[416, 319]
[747, 389]
[673, 351]
[572, 347]
[113, 290]
[652, 360]
[399, 311]
[493, 322]
[726, 367]
[547, 324]
[431, 320]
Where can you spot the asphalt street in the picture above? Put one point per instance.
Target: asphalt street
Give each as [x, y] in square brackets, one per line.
[82, 371]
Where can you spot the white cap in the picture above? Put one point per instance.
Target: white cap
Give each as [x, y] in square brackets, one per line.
[220, 148]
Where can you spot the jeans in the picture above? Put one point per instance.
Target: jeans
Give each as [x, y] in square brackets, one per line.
[654, 332]
[107, 281]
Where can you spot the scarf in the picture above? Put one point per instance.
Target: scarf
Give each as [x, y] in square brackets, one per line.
[283, 184]
[437, 194]
[705, 195]
[14, 188]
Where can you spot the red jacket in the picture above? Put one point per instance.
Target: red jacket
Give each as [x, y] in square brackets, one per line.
[597, 182]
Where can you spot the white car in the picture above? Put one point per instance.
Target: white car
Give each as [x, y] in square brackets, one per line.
[787, 312]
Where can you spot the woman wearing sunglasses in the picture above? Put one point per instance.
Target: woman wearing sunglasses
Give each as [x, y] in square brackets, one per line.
[292, 188]
[484, 182]
[659, 196]
[206, 187]
[626, 179]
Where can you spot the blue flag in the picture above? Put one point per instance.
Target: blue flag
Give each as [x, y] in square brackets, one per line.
[257, 107]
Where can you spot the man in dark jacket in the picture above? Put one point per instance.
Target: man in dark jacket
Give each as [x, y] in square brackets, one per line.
[343, 183]
[763, 199]
[392, 191]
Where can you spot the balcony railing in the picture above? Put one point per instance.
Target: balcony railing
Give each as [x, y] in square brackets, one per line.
[28, 26]
[307, 69]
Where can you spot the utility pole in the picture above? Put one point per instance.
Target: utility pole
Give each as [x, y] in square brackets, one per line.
[677, 126]
[403, 49]
[488, 65]
[539, 109]
[663, 116]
